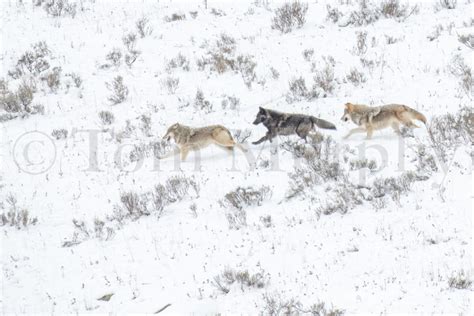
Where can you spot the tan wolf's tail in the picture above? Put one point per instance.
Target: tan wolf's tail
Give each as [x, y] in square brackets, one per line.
[416, 115]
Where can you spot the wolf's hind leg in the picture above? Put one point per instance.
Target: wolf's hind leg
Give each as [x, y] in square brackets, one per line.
[228, 149]
[355, 130]
[241, 147]
[303, 129]
[396, 128]
[370, 132]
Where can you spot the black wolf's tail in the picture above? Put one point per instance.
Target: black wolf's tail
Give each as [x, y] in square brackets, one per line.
[322, 123]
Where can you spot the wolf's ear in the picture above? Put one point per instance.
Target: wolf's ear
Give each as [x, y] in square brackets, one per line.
[261, 109]
[349, 106]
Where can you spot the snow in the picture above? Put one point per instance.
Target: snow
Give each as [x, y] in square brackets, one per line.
[366, 261]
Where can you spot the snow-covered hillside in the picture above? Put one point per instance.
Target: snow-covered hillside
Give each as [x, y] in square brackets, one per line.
[92, 221]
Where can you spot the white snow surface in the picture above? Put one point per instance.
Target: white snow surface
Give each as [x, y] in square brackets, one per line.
[393, 260]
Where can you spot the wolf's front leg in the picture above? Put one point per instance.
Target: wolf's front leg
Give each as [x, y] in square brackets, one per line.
[267, 136]
[174, 152]
[355, 130]
[184, 152]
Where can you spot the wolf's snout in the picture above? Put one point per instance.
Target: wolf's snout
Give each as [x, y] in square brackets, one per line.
[256, 122]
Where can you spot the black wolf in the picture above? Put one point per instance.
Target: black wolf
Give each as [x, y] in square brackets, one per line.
[279, 123]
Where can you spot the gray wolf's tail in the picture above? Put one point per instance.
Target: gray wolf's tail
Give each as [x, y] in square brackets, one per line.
[322, 123]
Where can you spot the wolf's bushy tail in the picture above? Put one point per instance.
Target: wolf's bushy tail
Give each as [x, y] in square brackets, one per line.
[322, 123]
[416, 115]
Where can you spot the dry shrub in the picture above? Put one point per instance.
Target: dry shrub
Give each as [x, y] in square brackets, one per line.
[289, 16]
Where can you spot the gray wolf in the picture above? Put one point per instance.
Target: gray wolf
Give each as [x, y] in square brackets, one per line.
[195, 138]
[279, 123]
[376, 118]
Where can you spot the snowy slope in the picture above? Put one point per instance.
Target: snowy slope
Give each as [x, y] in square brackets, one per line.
[394, 259]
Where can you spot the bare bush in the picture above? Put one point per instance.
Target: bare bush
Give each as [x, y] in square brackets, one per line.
[145, 124]
[356, 77]
[241, 136]
[82, 232]
[460, 281]
[200, 102]
[236, 218]
[361, 44]
[394, 187]
[392, 40]
[32, 62]
[175, 17]
[221, 57]
[14, 215]
[463, 71]
[297, 90]
[113, 58]
[76, 79]
[449, 131]
[130, 41]
[244, 197]
[317, 166]
[243, 278]
[363, 163]
[126, 132]
[236, 201]
[245, 65]
[106, 117]
[59, 133]
[119, 90]
[343, 197]
[180, 61]
[448, 4]
[160, 148]
[25, 94]
[171, 84]
[324, 80]
[275, 306]
[230, 102]
[275, 73]
[289, 16]
[308, 54]
[217, 12]
[333, 14]
[365, 15]
[139, 152]
[467, 40]
[131, 57]
[143, 27]
[59, 8]
[425, 161]
[435, 33]
[134, 204]
[20, 101]
[368, 12]
[53, 79]
[393, 9]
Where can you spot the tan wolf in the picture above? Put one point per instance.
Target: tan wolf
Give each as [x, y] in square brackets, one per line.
[195, 138]
[376, 118]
